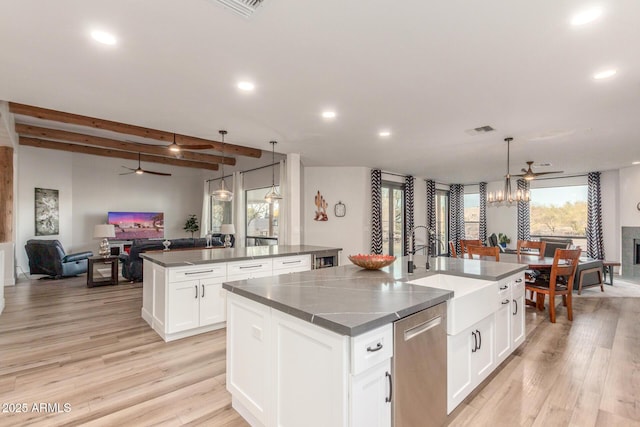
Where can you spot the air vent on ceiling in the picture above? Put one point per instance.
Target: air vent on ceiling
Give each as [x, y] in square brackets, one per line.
[241, 7]
[480, 130]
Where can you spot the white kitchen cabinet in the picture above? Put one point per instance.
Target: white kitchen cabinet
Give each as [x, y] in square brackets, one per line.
[184, 306]
[503, 321]
[518, 331]
[249, 269]
[371, 396]
[291, 264]
[470, 359]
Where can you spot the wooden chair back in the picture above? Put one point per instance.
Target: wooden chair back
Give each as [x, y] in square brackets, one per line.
[452, 250]
[531, 244]
[464, 244]
[484, 251]
[565, 263]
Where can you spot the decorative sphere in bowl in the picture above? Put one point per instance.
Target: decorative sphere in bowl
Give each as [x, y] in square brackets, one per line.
[372, 261]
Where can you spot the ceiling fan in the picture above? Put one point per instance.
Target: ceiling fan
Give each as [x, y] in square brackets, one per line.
[140, 171]
[175, 147]
[529, 174]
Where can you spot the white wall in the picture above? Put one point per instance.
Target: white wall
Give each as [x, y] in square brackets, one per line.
[629, 196]
[90, 186]
[611, 229]
[351, 186]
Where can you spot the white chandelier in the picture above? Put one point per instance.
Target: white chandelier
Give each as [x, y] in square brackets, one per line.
[507, 196]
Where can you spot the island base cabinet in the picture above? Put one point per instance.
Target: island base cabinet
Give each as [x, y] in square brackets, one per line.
[371, 396]
[183, 306]
[518, 333]
[503, 328]
[248, 364]
[471, 358]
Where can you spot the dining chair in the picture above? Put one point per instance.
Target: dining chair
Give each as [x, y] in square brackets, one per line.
[527, 247]
[464, 244]
[563, 270]
[452, 250]
[484, 251]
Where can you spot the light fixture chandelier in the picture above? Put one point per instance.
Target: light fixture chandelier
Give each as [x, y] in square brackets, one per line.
[506, 196]
[174, 147]
[222, 194]
[273, 194]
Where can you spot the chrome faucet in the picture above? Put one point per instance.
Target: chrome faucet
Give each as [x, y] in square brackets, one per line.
[413, 249]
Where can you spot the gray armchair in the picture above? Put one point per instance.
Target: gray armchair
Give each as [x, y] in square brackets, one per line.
[48, 257]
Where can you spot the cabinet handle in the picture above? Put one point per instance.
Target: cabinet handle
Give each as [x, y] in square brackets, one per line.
[505, 302]
[388, 398]
[475, 342]
[502, 288]
[516, 303]
[378, 347]
[519, 280]
[479, 339]
[197, 272]
[292, 262]
[196, 286]
[250, 266]
[202, 291]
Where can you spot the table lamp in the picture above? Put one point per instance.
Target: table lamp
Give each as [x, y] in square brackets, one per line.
[227, 230]
[104, 231]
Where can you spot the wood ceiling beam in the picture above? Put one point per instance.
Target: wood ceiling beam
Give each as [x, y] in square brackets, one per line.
[160, 135]
[63, 135]
[64, 146]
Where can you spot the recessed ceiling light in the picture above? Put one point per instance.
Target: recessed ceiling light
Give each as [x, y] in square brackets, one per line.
[103, 37]
[635, 163]
[604, 74]
[586, 16]
[384, 133]
[246, 86]
[329, 114]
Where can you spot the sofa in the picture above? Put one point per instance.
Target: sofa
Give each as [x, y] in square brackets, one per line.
[48, 257]
[132, 263]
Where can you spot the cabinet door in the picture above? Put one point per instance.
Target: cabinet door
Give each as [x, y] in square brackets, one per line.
[460, 350]
[503, 328]
[183, 306]
[212, 302]
[371, 396]
[248, 362]
[484, 360]
[517, 320]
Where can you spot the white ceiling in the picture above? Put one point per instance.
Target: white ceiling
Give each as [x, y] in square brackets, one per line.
[426, 70]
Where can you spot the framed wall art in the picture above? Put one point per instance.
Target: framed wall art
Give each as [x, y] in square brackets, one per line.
[47, 214]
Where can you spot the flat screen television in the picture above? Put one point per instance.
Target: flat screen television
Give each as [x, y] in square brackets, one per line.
[137, 225]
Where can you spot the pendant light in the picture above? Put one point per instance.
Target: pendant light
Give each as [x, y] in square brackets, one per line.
[174, 147]
[507, 197]
[273, 194]
[222, 194]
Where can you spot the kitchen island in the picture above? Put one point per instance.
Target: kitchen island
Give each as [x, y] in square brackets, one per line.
[182, 291]
[315, 348]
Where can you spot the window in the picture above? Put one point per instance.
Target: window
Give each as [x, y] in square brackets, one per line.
[392, 218]
[262, 218]
[221, 213]
[472, 216]
[560, 212]
[442, 222]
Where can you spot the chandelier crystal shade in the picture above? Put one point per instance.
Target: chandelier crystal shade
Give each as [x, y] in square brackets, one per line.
[222, 194]
[507, 196]
[273, 194]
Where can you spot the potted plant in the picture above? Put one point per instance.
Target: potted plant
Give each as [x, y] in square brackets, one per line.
[503, 240]
[191, 226]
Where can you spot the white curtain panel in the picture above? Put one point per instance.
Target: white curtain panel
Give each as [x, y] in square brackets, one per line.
[283, 221]
[239, 214]
[205, 219]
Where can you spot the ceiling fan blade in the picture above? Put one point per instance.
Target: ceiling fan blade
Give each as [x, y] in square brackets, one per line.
[127, 173]
[524, 170]
[131, 169]
[195, 147]
[546, 173]
[157, 173]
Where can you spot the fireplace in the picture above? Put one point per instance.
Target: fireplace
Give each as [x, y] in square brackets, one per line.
[630, 251]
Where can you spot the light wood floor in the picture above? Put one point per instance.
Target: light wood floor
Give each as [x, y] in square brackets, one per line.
[61, 342]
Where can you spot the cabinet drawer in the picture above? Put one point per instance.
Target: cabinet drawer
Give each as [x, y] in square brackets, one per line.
[517, 285]
[209, 271]
[371, 348]
[292, 263]
[242, 268]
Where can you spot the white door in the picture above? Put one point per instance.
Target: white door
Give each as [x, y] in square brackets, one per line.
[503, 329]
[183, 306]
[460, 350]
[371, 396]
[517, 320]
[212, 301]
[483, 360]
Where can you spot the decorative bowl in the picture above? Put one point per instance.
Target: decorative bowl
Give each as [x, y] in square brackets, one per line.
[372, 261]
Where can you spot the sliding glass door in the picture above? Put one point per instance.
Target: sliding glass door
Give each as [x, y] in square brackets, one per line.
[392, 218]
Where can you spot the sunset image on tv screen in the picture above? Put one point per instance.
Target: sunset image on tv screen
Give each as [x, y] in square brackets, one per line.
[137, 225]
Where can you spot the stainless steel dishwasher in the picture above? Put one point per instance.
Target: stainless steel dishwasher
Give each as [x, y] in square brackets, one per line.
[420, 369]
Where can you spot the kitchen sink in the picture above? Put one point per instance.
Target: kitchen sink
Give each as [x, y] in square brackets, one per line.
[472, 301]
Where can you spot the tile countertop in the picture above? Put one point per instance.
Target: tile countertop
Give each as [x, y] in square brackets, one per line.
[350, 300]
[179, 258]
